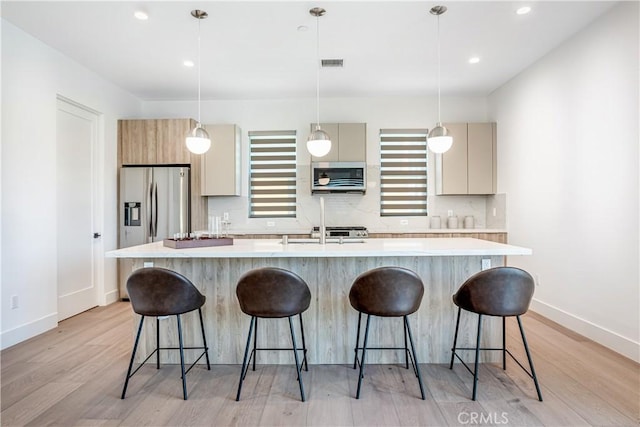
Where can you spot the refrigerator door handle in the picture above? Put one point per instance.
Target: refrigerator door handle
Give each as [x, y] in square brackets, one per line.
[155, 210]
[150, 211]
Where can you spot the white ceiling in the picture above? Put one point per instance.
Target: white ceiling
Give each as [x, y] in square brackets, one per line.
[254, 50]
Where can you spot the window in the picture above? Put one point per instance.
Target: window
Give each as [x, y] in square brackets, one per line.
[272, 179]
[403, 172]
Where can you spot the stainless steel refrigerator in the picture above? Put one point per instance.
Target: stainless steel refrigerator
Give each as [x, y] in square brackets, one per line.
[154, 203]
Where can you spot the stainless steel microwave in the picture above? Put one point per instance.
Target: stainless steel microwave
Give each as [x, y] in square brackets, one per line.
[338, 177]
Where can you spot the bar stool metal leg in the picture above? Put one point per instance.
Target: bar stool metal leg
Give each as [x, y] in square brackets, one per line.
[204, 340]
[364, 353]
[184, 375]
[157, 342]
[295, 355]
[526, 348]
[245, 367]
[355, 350]
[133, 356]
[475, 371]
[255, 341]
[504, 344]
[415, 358]
[406, 349]
[304, 345]
[455, 339]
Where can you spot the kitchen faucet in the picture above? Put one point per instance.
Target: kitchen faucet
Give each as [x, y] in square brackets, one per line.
[323, 228]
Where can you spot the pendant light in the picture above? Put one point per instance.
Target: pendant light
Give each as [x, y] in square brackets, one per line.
[439, 139]
[198, 141]
[319, 141]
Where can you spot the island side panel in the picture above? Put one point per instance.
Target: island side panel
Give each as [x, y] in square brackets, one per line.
[330, 322]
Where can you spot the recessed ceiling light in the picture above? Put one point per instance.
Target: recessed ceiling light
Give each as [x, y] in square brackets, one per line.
[188, 63]
[523, 10]
[141, 15]
[474, 60]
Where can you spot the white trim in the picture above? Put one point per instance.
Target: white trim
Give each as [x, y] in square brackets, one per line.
[110, 297]
[616, 342]
[28, 330]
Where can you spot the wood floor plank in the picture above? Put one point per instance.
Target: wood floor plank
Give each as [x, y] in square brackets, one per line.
[25, 410]
[73, 376]
[616, 385]
[329, 396]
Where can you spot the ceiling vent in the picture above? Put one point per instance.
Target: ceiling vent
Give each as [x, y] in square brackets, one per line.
[332, 63]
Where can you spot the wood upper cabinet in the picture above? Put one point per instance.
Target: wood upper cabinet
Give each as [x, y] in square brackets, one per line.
[469, 167]
[348, 142]
[154, 141]
[170, 140]
[221, 165]
[137, 141]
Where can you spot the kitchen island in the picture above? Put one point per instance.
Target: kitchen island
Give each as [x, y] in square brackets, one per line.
[329, 270]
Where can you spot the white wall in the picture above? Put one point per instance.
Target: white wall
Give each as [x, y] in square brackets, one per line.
[298, 114]
[33, 74]
[568, 160]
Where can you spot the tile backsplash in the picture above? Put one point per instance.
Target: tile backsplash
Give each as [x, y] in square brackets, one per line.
[360, 210]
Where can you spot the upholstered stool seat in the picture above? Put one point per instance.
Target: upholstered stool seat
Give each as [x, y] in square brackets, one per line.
[160, 292]
[386, 292]
[501, 291]
[271, 292]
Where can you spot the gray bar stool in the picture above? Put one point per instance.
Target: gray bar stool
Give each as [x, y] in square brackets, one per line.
[503, 292]
[387, 292]
[271, 292]
[161, 292]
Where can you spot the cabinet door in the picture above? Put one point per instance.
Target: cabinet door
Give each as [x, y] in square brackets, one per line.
[137, 142]
[480, 155]
[353, 142]
[451, 166]
[333, 130]
[221, 164]
[170, 139]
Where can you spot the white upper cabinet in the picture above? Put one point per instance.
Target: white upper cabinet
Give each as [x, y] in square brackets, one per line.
[221, 165]
[469, 167]
[348, 142]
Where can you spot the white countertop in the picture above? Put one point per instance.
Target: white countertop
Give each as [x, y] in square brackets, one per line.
[273, 248]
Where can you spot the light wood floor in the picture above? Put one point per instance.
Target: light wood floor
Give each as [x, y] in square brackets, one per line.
[73, 375]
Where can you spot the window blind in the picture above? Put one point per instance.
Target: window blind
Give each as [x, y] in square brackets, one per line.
[403, 172]
[272, 179]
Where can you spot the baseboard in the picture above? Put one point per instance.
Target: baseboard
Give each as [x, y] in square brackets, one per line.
[28, 330]
[605, 337]
[111, 297]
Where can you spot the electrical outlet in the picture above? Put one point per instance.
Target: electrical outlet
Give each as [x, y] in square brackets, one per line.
[271, 223]
[536, 278]
[225, 216]
[450, 212]
[485, 264]
[404, 222]
[147, 264]
[14, 302]
[495, 212]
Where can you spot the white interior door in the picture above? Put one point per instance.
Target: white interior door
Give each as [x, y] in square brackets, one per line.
[76, 135]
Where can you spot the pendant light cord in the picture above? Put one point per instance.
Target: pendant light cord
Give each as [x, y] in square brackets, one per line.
[317, 72]
[199, 58]
[439, 70]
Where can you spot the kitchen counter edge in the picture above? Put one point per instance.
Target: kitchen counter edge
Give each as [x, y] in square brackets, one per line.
[380, 247]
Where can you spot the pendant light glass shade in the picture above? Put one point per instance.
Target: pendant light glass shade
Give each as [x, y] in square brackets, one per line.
[198, 140]
[439, 139]
[319, 141]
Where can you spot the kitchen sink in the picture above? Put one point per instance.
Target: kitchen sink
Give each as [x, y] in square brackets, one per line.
[335, 240]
